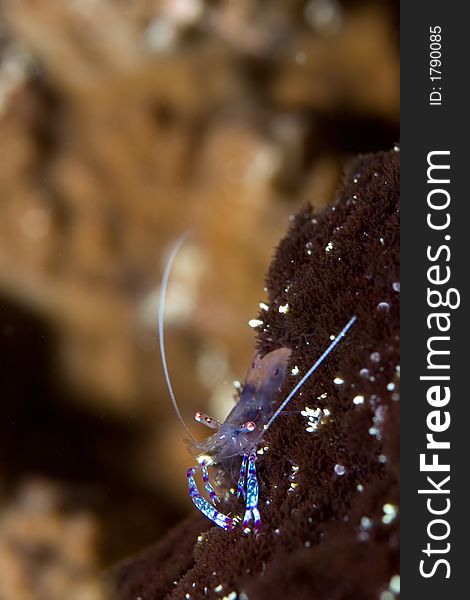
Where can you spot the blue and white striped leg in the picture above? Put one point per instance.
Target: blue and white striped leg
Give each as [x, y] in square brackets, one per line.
[252, 512]
[209, 489]
[241, 479]
[207, 509]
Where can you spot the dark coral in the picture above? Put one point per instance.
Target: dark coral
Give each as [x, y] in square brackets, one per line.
[333, 535]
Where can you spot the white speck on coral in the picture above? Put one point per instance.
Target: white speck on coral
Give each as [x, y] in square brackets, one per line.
[396, 286]
[263, 306]
[326, 412]
[219, 588]
[340, 470]
[358, 399]
[364, 372]
[295, 370]
[237, 385]
[384, 306]
[284, 309]
[338, 380]
[231, 596]
[382, 241]
[322, 396]
[332, 337]
[307, 544]
[390, 513]
[382, 459]
[314, 418]
[255, 323]
[379, 414]
[394, 584]
[366, 523]
[390, 386]
[360, 487]
[311, 412]
[386, 595]
[375, 356]
[329, 247]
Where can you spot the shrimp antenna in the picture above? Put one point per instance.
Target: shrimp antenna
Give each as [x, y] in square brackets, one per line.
[312, 370]
[161, 332]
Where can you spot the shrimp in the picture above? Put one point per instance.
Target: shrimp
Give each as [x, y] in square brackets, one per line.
[233, 447]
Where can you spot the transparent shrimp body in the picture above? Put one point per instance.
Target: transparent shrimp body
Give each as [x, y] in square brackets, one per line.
[238, 436]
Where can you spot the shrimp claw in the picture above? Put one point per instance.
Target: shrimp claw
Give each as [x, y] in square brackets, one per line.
[252, 512]
[201, 504]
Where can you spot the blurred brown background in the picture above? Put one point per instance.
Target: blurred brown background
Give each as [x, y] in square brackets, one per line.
[122, 124]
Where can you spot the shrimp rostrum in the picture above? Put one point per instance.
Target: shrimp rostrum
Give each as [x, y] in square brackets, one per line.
[233, 447]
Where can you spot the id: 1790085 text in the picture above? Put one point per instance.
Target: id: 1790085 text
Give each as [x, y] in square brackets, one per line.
[435, 65]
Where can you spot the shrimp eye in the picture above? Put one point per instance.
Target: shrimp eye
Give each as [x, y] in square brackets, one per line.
[249, 426]
[276, 371]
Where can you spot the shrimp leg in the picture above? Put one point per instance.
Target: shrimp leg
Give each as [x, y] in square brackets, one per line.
[252, 511]
[209, 489]
[201, 504]
[241, 479]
